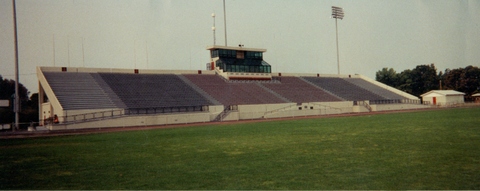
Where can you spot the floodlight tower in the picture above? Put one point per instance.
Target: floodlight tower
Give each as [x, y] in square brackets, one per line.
[337, 13]
[213, 29]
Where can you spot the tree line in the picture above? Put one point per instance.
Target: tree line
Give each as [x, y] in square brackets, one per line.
[29, 105]
[424, 78]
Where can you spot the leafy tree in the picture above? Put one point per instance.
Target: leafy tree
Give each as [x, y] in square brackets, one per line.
[405, 81]
[387, 76]
[424, 79]
[466, 80]
[417, 81]
[452, 78]
[29, 111]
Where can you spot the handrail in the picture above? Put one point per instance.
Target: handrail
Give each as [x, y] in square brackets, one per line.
[279, 109]
[327, 106]
[84, 117]
[108, 114]
[366, 105]
[395, 101]
[225, 112]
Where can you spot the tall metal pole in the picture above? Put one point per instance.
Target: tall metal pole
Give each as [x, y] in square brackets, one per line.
[17, 97]
[225, 22]
[146, 51]
[53, 42]
[134, 54]
[337, 13]
[83, 54]
[213, 29]
[68, 50]
[338, 57]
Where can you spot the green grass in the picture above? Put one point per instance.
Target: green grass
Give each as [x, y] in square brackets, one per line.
[419, 150]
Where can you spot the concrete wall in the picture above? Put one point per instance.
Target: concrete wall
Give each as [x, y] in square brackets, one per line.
[361, 108]
[244, 112]
[144, 120]
[293, 109]
[387, 107]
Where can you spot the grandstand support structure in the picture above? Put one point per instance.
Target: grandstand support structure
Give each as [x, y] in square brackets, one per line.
[77, 98]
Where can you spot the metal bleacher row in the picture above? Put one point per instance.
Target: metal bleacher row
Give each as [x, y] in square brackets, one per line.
[78, 91]
[344, 89]
[152, 90]
[298, 91]
[386, 94]
[233, 93]
[122, 90]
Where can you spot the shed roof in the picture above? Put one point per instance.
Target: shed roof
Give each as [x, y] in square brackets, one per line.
[476, 95]
[443, 92]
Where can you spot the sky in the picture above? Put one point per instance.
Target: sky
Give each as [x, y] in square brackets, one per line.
[299, 35]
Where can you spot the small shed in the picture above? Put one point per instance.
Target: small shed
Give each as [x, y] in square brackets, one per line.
[443, 97]
[476, 97]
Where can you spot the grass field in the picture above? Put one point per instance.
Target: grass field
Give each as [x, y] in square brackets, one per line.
[419, 150]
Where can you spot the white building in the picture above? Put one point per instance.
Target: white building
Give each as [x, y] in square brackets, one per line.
[443, 97]
[477, 97]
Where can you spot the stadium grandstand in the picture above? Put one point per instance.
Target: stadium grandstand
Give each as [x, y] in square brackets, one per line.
[236, 85]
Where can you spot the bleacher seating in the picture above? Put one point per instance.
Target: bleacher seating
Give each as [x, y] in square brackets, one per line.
[233, 93]
[343, 89]
[78, 91]
[135, 91]
[299, 91]
[153, 90]
[386, 94]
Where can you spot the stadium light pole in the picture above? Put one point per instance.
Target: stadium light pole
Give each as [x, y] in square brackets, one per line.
[337, 13]
[16, 103]
[213, 29]
[225, 21]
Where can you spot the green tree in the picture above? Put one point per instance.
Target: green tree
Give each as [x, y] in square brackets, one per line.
[29, 106]
[387, 76]
[405, 81]
[466, 80]
[452, 78]
[424, 79]
[417, 81]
